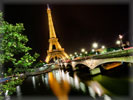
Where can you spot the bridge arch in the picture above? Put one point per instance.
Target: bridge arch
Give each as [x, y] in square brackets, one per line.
[82, 67]
[69, 67]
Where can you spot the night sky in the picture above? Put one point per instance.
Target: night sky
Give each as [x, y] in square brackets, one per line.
[76, 26]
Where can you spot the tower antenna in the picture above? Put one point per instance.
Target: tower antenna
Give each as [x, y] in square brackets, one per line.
[48, 6]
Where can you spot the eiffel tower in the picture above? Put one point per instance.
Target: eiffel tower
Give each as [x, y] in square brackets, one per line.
[55, 50]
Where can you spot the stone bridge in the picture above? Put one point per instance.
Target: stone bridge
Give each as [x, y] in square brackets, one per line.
[93, 63]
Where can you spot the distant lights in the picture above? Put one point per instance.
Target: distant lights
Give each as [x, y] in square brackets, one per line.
[86, 52]
[93, 50]
[95, 45]
[83, 50]
[71, 55]
[103, 47]
[75, 53]
[118, 42]
[120, 36]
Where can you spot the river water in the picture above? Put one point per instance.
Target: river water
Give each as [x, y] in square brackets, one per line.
[64, 85]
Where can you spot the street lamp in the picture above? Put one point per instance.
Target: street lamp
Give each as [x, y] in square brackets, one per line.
[75, 53]
[121, 37]
[103, 47]
[71, 55]
[118, 42]
[94, 45]
[93, 50]
[86, 52]
[83, 50]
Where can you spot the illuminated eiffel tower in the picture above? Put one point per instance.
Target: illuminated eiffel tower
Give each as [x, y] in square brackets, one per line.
[55, 50]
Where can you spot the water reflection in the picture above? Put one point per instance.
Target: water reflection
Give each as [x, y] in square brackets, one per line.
[97, 88]
[61, 81]
[76, 81]
[43, 78]
[7, 97]
[34, 81]
[65, 84]
[18, 89]
[60, 87]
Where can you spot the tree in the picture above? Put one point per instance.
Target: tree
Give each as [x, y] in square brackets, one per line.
[15, 53]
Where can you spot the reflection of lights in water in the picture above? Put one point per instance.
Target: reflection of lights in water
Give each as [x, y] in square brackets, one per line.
[46, 79]
[82, 86]
[42, 78]
[57, 75]
[98, 91]
[63, 75]
[71, 81]
[7, 97]
[97, 88]
[76, 82]
[92, 92]
[68, 77]
[6, 92]
[34, 81]
[61, 90]
[106, 97]
[18, 90]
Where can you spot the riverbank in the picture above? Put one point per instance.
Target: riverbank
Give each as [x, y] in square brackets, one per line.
[40, 72]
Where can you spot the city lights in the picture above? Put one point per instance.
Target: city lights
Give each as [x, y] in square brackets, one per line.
[118, 42]
[75, 53]
[83, 50]
[94, 45]
[120, 36]
[103, 47]
[93, 50]
[71, 55]
[86, 52]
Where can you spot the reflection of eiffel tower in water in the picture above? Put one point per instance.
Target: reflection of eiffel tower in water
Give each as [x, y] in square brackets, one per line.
[55, 50]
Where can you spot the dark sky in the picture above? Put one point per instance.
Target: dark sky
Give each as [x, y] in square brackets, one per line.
[76, 26]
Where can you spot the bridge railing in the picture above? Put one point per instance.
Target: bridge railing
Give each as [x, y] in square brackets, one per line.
[119, 53]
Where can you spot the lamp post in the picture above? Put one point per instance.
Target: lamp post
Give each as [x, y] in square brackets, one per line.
[103, 47]
[121, 37]
[95, 45]
[71, 56]
[93, 50]
[118, 42]
[75, 53]
[83, 50]
[86, 52]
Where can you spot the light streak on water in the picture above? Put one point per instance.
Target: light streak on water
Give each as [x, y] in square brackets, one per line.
[18, 90]
[106, 97]
[7, 97]
[92, 92]
[67, 77]
[42, 78]
[76, 81]
[34, 81]
[46, 79]
[82, 86]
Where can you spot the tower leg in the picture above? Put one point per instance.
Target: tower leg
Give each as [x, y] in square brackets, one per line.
[48, 58]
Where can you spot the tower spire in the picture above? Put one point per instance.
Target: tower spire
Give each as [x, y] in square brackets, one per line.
[50, 22]
[48, 6]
